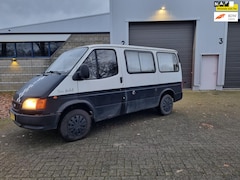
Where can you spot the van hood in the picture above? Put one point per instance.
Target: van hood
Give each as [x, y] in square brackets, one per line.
[39, 87]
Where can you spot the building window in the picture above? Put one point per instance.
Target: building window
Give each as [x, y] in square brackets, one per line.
[139, 62]
[168, 62]
[24, 49]
[7, 50]
[40, 49]
[28, 49]
[53, 46]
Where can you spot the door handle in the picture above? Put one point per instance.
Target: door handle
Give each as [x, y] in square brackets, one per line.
[121, 80]
[133, 92]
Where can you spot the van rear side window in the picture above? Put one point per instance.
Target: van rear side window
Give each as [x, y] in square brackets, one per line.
[168, 62]
[139, 62]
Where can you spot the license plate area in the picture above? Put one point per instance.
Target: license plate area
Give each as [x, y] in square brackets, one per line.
[12, 116]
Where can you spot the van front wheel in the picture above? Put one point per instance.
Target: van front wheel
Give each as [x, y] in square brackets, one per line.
[75, 125]
[166, 104]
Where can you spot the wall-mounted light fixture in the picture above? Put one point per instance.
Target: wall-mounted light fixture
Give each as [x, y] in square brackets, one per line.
[14, 59]
[162, 14]
[163, 8]
[14, 65]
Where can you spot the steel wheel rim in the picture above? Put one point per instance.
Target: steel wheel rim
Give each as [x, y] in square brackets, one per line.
[77, 125]
[167, 104]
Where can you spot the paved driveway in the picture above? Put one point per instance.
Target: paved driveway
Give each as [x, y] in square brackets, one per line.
[199, 140]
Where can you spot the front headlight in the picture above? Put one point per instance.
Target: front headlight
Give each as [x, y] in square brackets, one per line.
[34, 104]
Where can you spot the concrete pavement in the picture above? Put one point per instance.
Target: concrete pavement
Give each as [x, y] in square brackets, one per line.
[199, 140]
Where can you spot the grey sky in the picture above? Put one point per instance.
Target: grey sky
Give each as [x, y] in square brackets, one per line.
[22, 12]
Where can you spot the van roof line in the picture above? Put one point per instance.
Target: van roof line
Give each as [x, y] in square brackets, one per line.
[128, 46]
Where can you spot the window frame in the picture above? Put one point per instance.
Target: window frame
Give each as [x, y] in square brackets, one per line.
[97, 63]
[22, 54]
[139, 51]
[5, 50]
[49, 51]
[46, 45]
[168, 71]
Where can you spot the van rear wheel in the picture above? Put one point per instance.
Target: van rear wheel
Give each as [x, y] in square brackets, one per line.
[75, 125]
[166, 104]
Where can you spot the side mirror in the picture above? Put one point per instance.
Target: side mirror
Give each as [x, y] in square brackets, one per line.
[82, 73]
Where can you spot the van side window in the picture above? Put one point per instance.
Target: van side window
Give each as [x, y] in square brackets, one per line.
[139, 62]
[168, 62]
[102, 63]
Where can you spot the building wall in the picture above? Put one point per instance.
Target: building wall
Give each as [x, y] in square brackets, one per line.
[76, 40]
[13, 74]
[207, 32]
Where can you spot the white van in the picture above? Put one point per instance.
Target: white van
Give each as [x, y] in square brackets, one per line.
[98, 82]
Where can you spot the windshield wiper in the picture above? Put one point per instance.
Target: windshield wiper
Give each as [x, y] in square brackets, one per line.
[53, 72]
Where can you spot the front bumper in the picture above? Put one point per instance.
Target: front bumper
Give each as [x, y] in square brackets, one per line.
[35, 122]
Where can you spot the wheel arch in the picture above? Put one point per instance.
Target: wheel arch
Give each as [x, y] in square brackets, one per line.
[167, 91]
[165, 106]
[75, 104]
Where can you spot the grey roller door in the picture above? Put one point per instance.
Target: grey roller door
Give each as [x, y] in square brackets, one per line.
[175, 35]
[232, 74]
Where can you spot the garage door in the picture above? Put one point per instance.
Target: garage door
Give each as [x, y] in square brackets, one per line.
[232, 74]
[176, 35]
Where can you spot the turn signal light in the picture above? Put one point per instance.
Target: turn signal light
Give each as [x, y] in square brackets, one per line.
[34, 104]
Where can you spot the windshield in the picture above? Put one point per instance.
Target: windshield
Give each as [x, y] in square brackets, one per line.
[66, 61]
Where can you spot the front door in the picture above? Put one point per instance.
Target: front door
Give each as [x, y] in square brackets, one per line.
[209, 70]
[103, 88]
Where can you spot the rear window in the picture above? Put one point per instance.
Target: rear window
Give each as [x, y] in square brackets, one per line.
[168, 62]
[139, 62]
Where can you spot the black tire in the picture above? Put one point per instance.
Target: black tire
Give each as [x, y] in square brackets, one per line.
[166, 104]
[75, 125]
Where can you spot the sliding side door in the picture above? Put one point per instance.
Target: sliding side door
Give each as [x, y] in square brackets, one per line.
[140, 81]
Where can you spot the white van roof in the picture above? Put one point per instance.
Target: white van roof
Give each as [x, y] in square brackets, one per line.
[130, 47]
